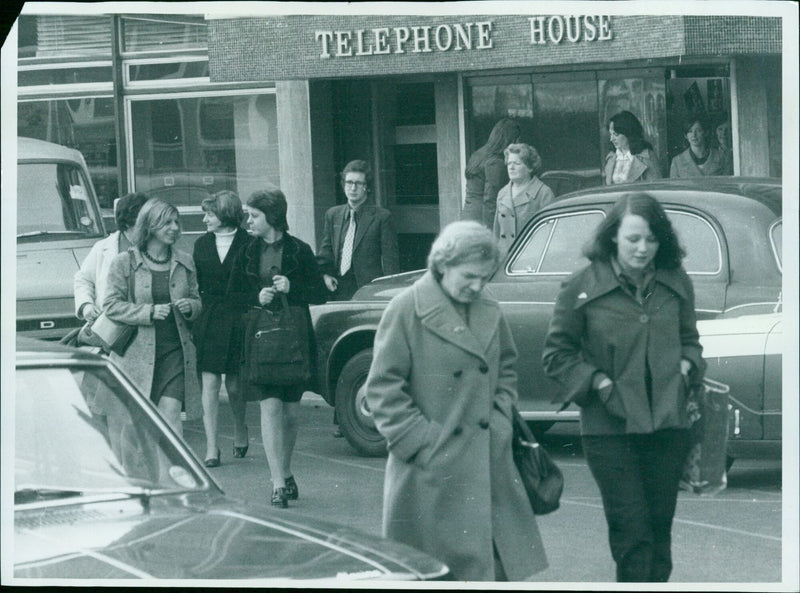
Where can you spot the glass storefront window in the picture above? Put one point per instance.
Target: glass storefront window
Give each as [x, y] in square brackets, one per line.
[86, 124]
[186, 149]
[167, 71]
[163, 32]
[73, 74]
[64, 36]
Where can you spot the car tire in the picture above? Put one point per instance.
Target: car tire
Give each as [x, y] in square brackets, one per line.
[352, 410]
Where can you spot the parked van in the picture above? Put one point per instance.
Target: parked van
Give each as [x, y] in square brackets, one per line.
[58, 221]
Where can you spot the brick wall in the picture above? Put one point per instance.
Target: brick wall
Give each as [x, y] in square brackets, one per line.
[281, 48]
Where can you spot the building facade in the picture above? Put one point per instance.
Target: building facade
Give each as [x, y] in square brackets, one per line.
[182, 106]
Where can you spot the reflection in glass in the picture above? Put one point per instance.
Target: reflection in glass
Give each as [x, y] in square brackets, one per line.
[79, 431]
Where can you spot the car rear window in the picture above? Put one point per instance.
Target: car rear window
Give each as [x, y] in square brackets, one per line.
[776, 236]
[698, 238]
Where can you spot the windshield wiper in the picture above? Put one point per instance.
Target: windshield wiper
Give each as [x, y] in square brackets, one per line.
[26, 495]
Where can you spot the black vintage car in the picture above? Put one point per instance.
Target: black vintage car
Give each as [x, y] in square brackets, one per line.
[103, 489]
[730, 227]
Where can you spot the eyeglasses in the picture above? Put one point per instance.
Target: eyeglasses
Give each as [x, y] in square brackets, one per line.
[355, 184]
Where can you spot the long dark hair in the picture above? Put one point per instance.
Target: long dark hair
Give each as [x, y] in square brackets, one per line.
[503, 133]
[628, 124]
[602, 245]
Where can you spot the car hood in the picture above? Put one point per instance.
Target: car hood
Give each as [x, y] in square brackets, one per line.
[176, 537]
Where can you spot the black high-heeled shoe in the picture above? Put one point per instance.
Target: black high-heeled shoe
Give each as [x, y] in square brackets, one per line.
[240, 452]
[214, 461]
[279, 498]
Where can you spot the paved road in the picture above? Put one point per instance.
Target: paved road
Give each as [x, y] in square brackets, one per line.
[734, 536]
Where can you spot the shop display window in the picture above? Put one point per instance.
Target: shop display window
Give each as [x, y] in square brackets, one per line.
[184, 149]
[86, 124]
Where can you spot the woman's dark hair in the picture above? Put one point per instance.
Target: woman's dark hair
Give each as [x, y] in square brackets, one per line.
[697, 119]
[627, 124]
[602, 246]
[126, 209]
[272, 203]
[225, 205]
[503, 133]
[358, 166]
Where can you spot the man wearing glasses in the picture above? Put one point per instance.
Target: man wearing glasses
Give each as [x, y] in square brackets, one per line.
[359, 242]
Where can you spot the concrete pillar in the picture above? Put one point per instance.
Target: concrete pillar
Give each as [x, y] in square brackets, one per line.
[750, 118]
[295, 157]
[448, 150]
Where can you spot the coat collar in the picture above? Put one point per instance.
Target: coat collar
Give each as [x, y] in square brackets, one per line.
[437, 313]
[639, 164]
[526, 193]
[601, 279]
[252, 255]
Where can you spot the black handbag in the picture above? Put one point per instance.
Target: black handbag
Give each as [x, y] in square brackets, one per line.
[542, 479]
[276, 346]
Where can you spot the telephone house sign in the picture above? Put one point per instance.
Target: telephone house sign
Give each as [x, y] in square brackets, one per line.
[334, 46]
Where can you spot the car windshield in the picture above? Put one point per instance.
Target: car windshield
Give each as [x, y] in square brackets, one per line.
[79, 431]
[44, 186]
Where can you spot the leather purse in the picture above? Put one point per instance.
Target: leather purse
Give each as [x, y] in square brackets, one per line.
[276, 348]
[111, 336]
[541, 477]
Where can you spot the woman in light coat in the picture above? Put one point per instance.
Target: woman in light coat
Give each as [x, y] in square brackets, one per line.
[633, 157]
[90, 279]
[700, 158]
[161, 360]
[522, 197]
[441, 388]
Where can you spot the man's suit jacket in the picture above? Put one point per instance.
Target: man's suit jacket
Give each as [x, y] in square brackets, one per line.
[375, 250]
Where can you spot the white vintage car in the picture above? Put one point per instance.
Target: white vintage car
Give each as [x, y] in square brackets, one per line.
[746, 353]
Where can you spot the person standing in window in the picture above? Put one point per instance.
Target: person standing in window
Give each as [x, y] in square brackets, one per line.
[272, 262]
[700, 158]
[623, 345]
[633, 158]
[218, 345]
[725, 145]
[161, 360]
[486, 173]
[522, 197]
[359, 242]
[441, 389]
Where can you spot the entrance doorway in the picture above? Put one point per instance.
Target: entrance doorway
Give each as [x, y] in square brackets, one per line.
[392, 125]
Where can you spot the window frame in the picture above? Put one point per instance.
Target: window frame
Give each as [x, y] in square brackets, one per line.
[773, 243]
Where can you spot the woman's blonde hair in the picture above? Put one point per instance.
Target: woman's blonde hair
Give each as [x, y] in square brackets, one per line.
[462, 242]
[154, 214]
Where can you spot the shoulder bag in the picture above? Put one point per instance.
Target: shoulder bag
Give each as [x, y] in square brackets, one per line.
[111, 336]
[542, 479]
[276, 348]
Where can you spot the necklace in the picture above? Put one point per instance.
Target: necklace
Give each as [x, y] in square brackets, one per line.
[155, 260]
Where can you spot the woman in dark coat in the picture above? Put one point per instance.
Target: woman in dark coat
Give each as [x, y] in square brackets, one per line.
[441, 388]
[486, 173]
[218, 346]
[623, 344]
[275, 262]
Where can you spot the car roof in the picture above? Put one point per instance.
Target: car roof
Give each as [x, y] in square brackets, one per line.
[30, 349]
[764, 190]
[33, 149]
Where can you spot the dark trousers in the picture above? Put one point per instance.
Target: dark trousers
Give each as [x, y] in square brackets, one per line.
[638, 477]
[347, 287]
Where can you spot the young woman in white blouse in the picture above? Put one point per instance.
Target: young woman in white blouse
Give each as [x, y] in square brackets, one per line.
[218, 350]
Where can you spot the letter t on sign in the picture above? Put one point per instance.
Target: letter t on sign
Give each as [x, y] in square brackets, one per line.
[325, 37]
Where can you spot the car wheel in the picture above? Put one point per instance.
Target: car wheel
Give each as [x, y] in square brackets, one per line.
[352, 410]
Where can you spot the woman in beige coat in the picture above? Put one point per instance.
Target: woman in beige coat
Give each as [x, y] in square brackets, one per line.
[441, 388]
[522, 197]
[161, 360]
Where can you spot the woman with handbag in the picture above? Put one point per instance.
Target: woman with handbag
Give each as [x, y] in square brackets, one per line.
[153, 286]
[441, 389]
[90, 279]
[218, 345]
[274, 269]
[623, 344]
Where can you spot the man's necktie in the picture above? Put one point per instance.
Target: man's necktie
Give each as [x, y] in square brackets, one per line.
[347, 246]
